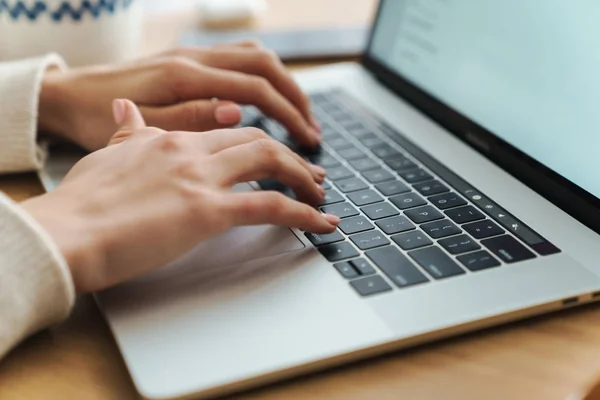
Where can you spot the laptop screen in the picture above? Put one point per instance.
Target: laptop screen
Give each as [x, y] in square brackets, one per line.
[528, 71]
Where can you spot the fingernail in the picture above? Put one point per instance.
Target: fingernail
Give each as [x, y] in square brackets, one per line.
[321, 189]
[228, 114]
[119, 110]
[319, 170]
[332, 219]
[315, 135]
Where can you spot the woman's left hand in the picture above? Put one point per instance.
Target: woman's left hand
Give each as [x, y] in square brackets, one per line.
[176, 90]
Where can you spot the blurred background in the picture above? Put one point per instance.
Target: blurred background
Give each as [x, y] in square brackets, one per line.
[292, 24]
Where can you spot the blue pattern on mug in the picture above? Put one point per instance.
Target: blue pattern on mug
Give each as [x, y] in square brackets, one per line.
[65, 10]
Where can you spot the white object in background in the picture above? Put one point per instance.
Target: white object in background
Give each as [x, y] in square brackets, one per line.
[82, 33]
[223, 11]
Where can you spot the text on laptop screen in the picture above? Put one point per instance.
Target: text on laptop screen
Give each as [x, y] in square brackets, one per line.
[529, 71]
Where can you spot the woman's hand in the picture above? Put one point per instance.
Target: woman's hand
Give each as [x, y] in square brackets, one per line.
[152, 195]
[176, 90]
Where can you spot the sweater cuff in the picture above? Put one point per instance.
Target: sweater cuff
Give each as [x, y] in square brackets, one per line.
[36, 287]
[20, 86]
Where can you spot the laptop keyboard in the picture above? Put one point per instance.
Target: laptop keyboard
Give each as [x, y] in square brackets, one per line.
[406, 219]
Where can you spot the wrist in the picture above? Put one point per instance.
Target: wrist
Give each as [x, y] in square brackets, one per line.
[53, 112]
[71, 232]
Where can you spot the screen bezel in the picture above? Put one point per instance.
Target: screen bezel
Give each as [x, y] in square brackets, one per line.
[565, 194]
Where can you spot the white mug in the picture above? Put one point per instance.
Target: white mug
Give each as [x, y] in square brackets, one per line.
[83, 32]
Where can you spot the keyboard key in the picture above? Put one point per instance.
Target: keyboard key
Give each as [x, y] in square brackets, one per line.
[440, 229]
[351, 185]
[365, 197]
[325, 160]
[412, 240]
[545, 248]
[424, 214]
[459, 244]
[328, 132]
[355, 225]
[401, 164]
[326, 185]
[379, 210]
[508, 249]
[430, 188]
[342, 210]
[385, 151]
[447, 200]
[370, 142]
[396, 266]
[339, 143]
[319, 239]
[351, 154]
[378, 175]
[465, 214]
[408, 200]
[365, 135]
[395, 225]
[392, 188]
[338, 173]
[331, 197]
[415, 175]
[338, 251]
[362, 133]
[478, 260]
[346, 270]
[364, 164]
[351, 124]
[514, 226]
[363, 266]
[436, 262]
[483, 229]
[369, 240]
[370, 285]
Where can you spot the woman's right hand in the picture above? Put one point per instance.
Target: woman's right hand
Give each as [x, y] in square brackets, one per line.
[152, 195]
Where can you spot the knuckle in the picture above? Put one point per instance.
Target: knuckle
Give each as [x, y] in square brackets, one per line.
[174, 64]
[261, 85]
[270, 153]
[186, 168]
[194, 200]
[276, 204]
[257, 134]
[267, 59]
[168, 143]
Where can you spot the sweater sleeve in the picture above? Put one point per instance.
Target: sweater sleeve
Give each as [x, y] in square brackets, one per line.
[20, 86]
[36, 288]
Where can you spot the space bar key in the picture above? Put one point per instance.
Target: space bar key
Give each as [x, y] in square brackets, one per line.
[396, 266]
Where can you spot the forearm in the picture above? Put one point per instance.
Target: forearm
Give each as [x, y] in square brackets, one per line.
[20, 89]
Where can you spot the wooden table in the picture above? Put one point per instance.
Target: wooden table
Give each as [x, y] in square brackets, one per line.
[545, 358]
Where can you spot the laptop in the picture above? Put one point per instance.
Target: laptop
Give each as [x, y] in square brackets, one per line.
[462, 158]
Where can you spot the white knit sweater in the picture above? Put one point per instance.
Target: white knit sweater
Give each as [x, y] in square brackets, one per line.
[36, 289]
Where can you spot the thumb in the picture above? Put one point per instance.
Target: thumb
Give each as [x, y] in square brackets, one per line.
[128, 119]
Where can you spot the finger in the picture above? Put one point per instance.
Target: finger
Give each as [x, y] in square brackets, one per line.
[194, 81]
[128, 119]
[256, 208]
[198, 115]
[250, 43]
[256, 61]
[266, 159]
[217, 141]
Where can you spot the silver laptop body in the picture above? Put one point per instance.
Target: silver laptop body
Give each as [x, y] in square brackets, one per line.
[447, 87]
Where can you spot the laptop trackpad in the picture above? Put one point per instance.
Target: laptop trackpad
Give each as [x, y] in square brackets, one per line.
[221, 256]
